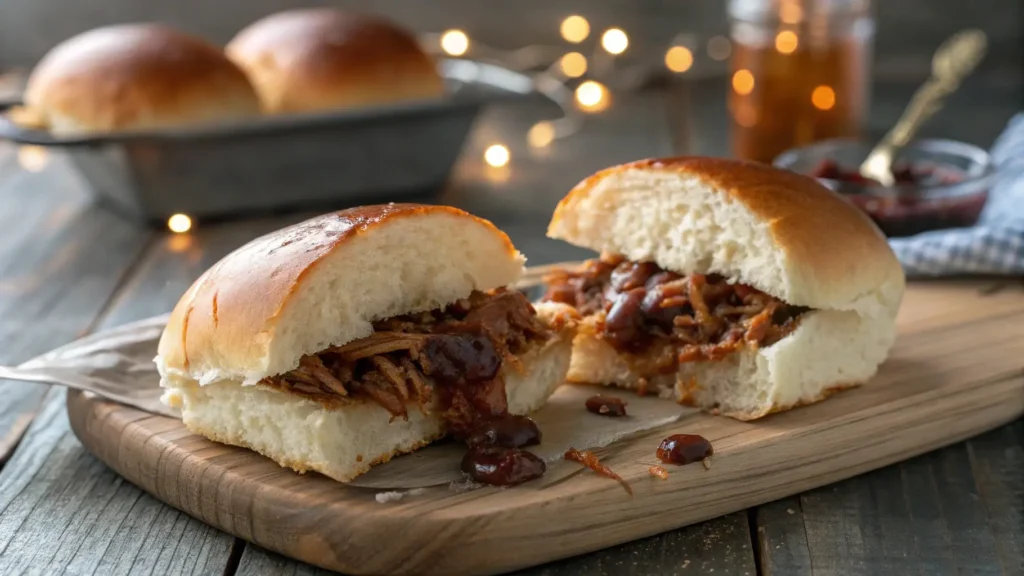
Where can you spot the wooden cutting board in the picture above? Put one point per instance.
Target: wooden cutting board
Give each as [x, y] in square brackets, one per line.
[957, 370]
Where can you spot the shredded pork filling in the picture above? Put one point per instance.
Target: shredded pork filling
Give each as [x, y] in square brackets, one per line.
[456, 353]
[646, 310]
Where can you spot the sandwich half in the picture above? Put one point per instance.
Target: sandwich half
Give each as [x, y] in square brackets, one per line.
[337, 343]
[732, 286]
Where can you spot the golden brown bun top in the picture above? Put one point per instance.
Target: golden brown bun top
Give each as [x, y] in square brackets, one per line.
[136, 76]
[323, 281]
[793, 237]
[326, 59]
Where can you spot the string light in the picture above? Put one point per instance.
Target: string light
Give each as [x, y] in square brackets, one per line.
[497, 155]
[575, 29]
[614, 41]
[541, 135]
[179, 223]
[786, 42]
[454, 42]
[592, 96]
[823, 97]
[719, 47]
[743, 82]
[573, 64]
[678, 59]
[33, 158]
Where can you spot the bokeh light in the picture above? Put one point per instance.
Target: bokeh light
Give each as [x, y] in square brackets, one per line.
[614, 41]
[678, 59]
[823, 97]
[592, 96]
[497, 155]
[573, 64]
[786, 42]
[575, 29]
[743, 82]
[541, 135]
[454, 42]
[179, 223]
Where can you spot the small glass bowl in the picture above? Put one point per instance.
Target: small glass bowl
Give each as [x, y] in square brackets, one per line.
[954, 180]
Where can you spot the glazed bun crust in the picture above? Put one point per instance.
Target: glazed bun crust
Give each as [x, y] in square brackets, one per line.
[323, 282]
[325, 59]
[136, 77]
[778, 231]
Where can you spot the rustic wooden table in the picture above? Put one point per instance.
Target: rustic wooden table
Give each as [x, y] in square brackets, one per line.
[67, 268]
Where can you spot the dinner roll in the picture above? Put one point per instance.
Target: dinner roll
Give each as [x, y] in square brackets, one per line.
[136, 77]
[324, 59]
[781, 233]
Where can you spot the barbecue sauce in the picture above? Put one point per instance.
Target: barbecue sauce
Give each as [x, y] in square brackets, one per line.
[606, 405]
[684, 449]
[501, 466]
[467, 366]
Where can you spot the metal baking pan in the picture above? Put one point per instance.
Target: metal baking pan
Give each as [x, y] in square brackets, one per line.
[286, 162]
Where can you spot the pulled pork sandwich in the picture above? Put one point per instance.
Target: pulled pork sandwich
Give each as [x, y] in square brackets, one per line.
[337, 343]
[732, 286]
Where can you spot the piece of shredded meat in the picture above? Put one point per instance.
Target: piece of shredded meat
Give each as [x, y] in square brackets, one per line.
[590, 460]
[645, 308]
[457, 352]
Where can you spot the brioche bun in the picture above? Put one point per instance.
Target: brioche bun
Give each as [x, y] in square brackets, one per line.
[136, 77]
[322, 283]
[325, 59]
[777, 231]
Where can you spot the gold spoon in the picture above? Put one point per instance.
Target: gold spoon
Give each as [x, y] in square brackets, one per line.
[952, 62]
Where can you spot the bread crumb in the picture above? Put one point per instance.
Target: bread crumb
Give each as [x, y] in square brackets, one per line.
[459, 486]
[359, 457]
[706, 462]
[790, 511]
[394, 496]
[658, 472]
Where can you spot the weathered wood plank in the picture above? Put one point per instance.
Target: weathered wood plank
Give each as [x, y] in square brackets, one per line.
[997, 460]
[720, 546]
[60, 260]
[257, 561]
[953, 511]
[63, 510]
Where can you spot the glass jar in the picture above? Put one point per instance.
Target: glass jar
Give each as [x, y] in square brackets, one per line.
[800, 73]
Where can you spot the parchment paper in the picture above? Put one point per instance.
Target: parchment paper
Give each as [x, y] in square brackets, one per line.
[118, 364]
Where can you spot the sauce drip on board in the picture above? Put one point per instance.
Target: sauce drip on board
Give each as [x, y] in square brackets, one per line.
[684, 449]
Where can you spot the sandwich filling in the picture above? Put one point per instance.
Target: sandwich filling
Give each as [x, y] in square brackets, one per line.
[456, 353]
[665, 319]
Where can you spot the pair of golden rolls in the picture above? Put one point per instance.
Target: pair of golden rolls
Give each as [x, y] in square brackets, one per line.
[147, 76]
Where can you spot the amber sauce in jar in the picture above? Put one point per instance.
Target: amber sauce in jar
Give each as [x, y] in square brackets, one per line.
[799, 73]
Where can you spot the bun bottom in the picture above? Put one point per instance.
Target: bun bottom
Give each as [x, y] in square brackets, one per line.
[344, 442]
[829, 351]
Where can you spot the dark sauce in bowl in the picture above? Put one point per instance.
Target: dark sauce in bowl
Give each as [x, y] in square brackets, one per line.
[916, 203]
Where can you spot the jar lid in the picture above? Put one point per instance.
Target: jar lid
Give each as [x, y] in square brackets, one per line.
[794, 11]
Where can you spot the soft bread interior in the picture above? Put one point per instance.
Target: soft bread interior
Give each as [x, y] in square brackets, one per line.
[830, 350]
[685, 223]
[342, 443]
[409, 265]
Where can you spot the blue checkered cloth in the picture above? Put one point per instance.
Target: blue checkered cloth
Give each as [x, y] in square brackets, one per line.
[995, 245]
